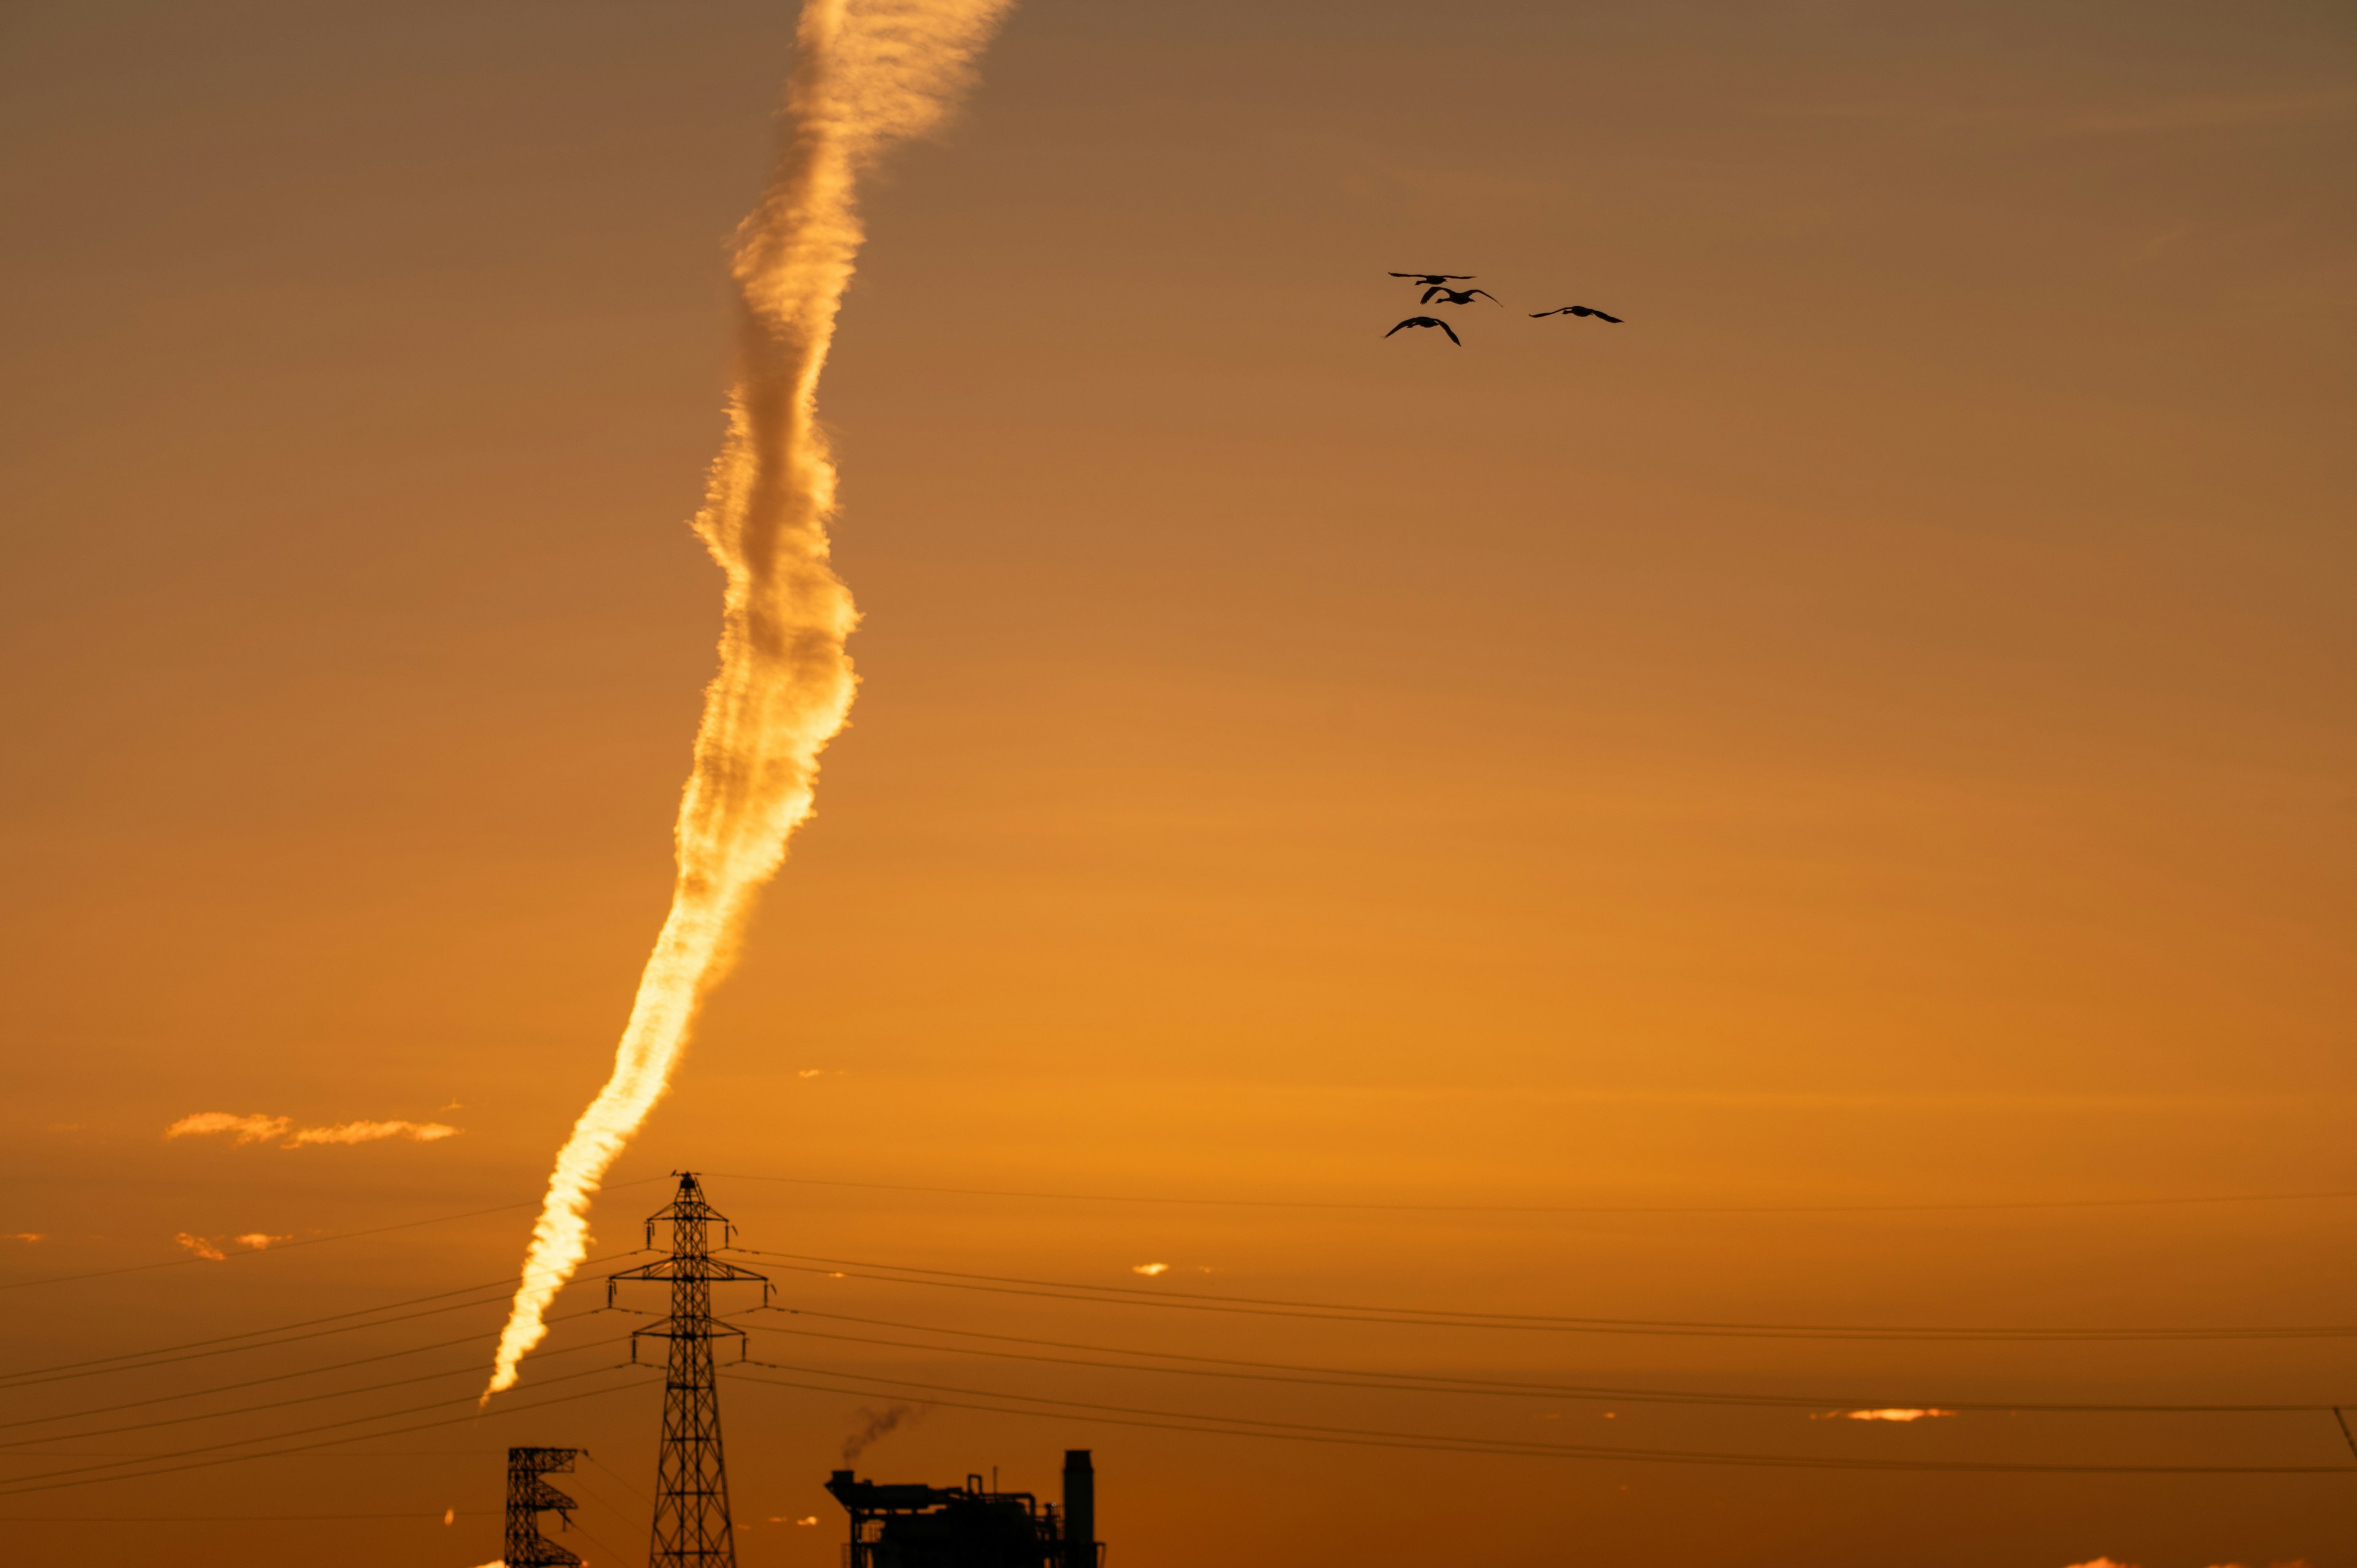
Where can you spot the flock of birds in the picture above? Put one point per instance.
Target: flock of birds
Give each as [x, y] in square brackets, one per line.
[1435, 286]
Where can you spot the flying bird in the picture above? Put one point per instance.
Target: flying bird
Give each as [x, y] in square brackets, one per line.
[1430, 321]
[1458, 295]
[1436, 279]
[1575, 310]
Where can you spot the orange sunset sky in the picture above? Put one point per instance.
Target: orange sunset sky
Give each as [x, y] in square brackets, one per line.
[1829, 802]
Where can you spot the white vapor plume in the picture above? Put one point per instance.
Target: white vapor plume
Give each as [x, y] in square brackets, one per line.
[866, 73]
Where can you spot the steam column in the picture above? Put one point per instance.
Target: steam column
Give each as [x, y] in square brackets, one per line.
[1079, 1509]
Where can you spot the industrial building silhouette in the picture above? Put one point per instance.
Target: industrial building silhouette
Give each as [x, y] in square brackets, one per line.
[901, 1525]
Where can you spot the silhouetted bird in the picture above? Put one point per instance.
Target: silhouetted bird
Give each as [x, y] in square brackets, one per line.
[1458, 295]
[1574, 310]
[1436, 279]
[1430, 321]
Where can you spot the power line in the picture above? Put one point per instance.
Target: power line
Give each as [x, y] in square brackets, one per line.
[620, 1481]
[141, 1360]
[10, 1488]
[1419, 1382]
[13, 1483]
[1345, 1312]
[1242, 1426]
[289, 1246]
[1988, 1206]
[225, 1518]
[469, 1369]
[257, 1382]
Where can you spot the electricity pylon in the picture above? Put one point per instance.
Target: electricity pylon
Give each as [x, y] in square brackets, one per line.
[529, 1496]
[691, 1525]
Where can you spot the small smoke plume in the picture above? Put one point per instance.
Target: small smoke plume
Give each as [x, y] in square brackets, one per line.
[249, 1129]
[867, 1425]
[866, 73]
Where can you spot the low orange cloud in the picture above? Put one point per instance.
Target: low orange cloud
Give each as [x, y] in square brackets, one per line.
[255, 1128]
[210, 1247]
[29, 1236]
[371, 1133]
[249, 1129]
[1904, 1412]
[1149, 1268]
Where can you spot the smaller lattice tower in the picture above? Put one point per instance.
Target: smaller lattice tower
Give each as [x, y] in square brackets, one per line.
[529, 1496]
[691, 1525]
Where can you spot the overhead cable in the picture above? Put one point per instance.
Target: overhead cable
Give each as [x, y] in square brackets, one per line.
[289, 1246]
[470, 1370]
[13, 1487]
[1986, 1204]
[1366, 1437]
[1421, 1382]
[273, 1378]
[1433, 1318]
[140, 1360]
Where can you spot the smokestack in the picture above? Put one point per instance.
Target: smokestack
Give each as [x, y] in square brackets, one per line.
[1079, 1509]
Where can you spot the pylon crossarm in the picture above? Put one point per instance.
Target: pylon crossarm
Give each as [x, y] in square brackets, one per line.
[711, 1270]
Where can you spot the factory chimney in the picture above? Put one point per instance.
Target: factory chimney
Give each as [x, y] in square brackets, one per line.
[1079, 1509]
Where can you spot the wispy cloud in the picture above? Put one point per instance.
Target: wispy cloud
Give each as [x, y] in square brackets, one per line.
[29, 1237]
[210, 1247]
[248, 1128]
[372, 1133]
[1149, 1268]
[1896, 1412]
[258, 1129]
[2102, 1563]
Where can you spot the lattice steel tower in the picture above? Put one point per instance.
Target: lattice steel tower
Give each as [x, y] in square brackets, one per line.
[529, 1496]
[691, 1526]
